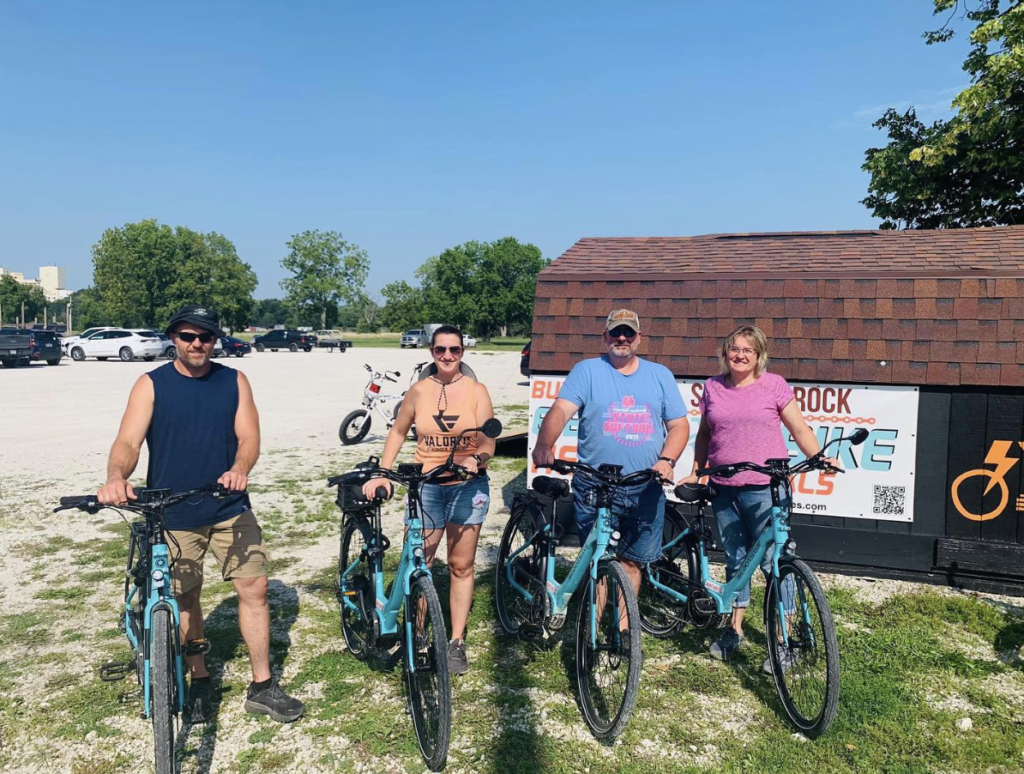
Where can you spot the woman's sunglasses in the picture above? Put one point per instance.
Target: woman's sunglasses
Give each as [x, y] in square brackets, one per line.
[188, 338]
[439, 350]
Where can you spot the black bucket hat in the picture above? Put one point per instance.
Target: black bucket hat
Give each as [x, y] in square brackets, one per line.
[200, 316]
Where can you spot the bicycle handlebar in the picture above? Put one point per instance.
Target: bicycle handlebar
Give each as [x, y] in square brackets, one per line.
[609, 475]
[147, 500]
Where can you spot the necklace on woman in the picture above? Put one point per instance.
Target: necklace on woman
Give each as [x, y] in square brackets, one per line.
[443, 396]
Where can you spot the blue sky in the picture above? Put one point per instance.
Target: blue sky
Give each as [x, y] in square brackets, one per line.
[411, 127]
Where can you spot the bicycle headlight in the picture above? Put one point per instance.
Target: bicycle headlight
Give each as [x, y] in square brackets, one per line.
[158, 575]
[417, 552]
[616, 536]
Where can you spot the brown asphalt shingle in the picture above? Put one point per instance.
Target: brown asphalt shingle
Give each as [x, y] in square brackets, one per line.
[936, 307]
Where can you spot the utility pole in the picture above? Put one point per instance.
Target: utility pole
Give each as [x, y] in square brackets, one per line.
[22, 314]
[67, 320]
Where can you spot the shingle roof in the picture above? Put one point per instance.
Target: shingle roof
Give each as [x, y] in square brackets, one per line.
[906, 307]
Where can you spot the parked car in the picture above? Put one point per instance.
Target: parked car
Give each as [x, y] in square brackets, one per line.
[15, 347]
[468, 340]
[45, 346]
[232, 346]
[284, 339]
[412, 338]
[120, 343]
[169, 351]
[67, 341]
[524, 360]
[332, 338]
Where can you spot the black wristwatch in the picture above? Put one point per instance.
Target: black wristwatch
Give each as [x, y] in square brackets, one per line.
[669, 460]
[478, 458]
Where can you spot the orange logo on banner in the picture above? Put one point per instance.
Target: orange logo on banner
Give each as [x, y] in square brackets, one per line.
[998, 455]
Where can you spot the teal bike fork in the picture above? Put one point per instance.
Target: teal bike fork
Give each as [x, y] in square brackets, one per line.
[160, 596]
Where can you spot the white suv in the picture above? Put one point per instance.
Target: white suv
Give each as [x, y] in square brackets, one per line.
[117, 342]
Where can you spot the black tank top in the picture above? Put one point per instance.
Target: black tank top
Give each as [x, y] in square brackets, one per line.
[192, 441]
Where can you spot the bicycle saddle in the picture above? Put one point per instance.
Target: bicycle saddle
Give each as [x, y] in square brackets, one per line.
[694, 493]
[431, 370]
[555, 488]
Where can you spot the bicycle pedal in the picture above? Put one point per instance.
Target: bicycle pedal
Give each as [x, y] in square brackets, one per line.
[529, 631]
[113, 671]
[197, 647]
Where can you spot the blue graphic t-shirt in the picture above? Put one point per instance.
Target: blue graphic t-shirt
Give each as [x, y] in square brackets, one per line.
[622, 418]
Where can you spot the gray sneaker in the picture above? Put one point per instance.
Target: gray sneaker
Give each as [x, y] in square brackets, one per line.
[728, 642]
[787, 658]
[274, 702]
[458, 663]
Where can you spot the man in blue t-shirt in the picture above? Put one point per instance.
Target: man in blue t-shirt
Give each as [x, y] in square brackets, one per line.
[630, 414]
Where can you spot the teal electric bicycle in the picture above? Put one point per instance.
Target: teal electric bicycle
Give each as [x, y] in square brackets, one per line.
[678, 589]
[370, 615]
[150, 618]
[531, 600]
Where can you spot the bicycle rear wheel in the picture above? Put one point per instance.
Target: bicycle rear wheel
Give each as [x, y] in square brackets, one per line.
[608, 673]
[513, 608]
[806, 672]
[162, 689]
[427, 677]
[356, 627]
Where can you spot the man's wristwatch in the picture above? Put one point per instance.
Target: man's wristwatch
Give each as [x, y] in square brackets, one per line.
[669, 460]
[478, 458]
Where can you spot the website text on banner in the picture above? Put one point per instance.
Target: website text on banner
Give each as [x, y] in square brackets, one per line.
[879, 483]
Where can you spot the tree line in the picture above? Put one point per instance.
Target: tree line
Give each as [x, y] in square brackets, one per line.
[143, 272]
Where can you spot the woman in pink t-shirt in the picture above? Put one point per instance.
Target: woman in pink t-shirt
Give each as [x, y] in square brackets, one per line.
[743, 410]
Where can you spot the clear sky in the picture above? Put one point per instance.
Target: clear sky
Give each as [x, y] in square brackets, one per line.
[412, 126]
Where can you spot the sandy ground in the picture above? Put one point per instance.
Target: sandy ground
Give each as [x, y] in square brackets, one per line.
[57, 422]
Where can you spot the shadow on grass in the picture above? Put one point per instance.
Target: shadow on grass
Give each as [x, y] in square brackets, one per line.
[226, 644]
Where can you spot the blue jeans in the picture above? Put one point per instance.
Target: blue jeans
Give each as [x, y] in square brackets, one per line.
[741, 513]
[638, 513]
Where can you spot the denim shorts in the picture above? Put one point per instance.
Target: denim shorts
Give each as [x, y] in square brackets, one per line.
[463, 504]
[637, 513]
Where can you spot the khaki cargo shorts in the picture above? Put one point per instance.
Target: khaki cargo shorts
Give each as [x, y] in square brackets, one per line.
[237, 544]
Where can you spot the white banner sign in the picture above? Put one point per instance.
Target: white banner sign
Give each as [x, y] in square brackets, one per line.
[879, 482]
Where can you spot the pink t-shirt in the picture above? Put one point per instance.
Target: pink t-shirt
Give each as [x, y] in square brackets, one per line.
[745, 424]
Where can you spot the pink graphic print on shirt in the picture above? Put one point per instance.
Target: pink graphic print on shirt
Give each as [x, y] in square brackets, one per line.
[628, 423]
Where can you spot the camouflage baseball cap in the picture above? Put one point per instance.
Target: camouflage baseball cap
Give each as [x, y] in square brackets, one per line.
[626, 317]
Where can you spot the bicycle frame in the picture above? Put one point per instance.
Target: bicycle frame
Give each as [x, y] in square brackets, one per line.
[594, 549]
[773, 536]
[158, 595]
[410, 566]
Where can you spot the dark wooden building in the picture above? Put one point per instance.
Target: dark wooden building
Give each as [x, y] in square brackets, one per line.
[940, 310]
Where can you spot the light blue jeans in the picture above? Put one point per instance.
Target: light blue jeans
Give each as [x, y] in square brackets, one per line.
[741, 513]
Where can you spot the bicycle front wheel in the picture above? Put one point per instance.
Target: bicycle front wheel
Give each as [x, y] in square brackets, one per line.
[162, 689]
[356, 588]
[806, 672]
[514, 609]
[608, 668]
[427, 676]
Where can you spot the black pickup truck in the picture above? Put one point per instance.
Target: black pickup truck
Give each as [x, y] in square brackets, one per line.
[20, 347]
[284, 339]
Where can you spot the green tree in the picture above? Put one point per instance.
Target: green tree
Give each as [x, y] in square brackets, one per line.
[403, 306]
[145, 271]
[88, 309]
[508, 271]
[450, 288]
[13, 294]
[965, 171]
[269, 312]
[326, 271]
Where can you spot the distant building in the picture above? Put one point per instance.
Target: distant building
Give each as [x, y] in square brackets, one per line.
[52, 281]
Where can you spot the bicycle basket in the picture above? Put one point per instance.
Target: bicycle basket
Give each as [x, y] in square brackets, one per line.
[351, 498]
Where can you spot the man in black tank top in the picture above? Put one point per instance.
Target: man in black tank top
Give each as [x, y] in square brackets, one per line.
[200, 423]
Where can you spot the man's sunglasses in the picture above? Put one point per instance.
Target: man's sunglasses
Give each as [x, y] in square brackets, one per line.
[622, 331]
[439, 350]
[188, 338]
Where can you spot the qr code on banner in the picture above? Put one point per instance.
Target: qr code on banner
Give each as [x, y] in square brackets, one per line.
[889, 500]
